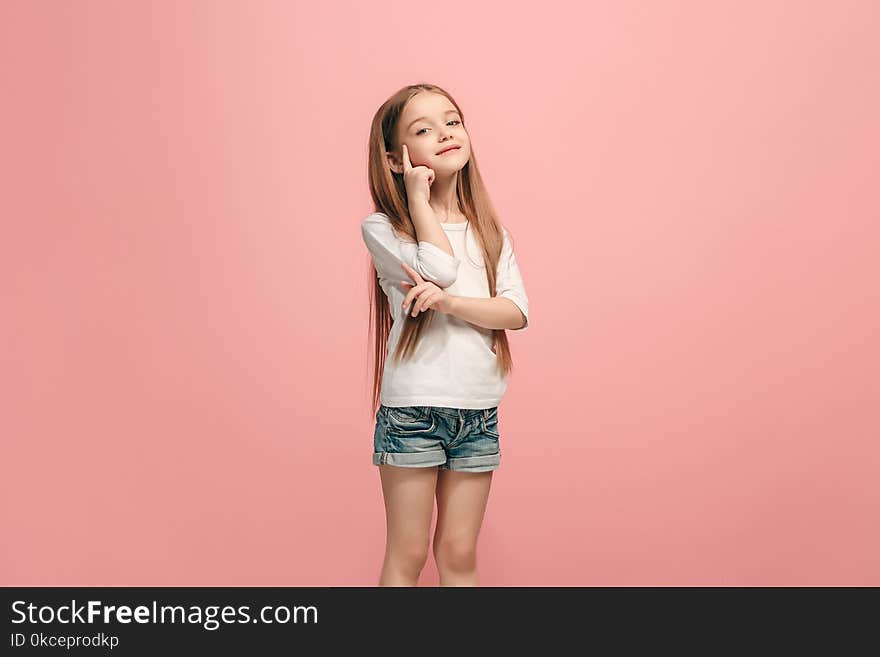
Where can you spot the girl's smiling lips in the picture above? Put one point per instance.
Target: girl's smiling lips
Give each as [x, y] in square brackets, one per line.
[449, 149]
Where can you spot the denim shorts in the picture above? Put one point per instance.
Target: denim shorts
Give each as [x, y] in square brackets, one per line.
[461, 439]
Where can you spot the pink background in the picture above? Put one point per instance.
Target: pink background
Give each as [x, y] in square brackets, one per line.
[692, 191]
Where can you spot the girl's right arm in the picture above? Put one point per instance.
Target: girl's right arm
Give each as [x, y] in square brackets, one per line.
[388, 251]
[417, 181]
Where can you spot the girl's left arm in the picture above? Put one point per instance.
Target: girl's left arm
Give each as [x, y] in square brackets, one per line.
[509, 309]
[492, 313]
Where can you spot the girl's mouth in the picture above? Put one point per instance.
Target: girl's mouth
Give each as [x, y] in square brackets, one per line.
[449, 150]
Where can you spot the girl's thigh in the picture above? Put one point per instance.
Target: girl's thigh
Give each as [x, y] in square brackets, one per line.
[409, 503]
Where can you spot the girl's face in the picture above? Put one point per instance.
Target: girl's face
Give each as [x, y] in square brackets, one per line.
[429, 124]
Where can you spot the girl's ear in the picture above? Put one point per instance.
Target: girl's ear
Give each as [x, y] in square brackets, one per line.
[396, 165]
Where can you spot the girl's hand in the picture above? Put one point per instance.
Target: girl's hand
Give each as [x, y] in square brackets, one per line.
[426, 294]
[416, 179]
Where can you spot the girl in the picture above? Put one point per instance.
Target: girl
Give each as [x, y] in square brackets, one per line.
[445, 286]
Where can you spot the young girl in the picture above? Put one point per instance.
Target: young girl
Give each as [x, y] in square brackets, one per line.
[445, 287]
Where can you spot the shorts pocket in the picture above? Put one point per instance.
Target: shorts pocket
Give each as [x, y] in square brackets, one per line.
[490, 422]
[410, 419]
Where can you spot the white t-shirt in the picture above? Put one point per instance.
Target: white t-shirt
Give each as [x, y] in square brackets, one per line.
[454, 364]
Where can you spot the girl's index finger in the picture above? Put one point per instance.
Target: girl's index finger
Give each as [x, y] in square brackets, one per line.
[406, 163]
[413, 274]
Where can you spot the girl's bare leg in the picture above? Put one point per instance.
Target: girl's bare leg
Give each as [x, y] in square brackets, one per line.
[409, 506]
[461, 504]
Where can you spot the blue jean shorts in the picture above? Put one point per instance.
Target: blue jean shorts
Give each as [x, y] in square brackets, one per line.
[461, 439]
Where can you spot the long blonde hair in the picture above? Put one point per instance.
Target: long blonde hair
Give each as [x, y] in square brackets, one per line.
[389, 197]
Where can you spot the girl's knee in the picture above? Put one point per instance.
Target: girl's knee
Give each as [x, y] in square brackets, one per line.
[456, 554]
[409, 556]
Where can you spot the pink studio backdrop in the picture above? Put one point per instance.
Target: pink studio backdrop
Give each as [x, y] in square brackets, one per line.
[692, 191]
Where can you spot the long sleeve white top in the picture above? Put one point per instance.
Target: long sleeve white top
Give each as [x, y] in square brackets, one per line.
[454, 364]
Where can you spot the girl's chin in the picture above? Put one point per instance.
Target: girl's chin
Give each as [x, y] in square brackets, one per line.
[450, 166]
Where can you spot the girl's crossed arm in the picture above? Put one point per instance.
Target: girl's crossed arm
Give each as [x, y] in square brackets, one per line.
[492, 313]
[509, 309]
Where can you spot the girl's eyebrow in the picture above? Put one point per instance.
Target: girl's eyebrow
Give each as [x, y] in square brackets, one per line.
[423, 118]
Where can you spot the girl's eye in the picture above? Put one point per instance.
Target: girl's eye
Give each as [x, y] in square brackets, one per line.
[418, 132]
